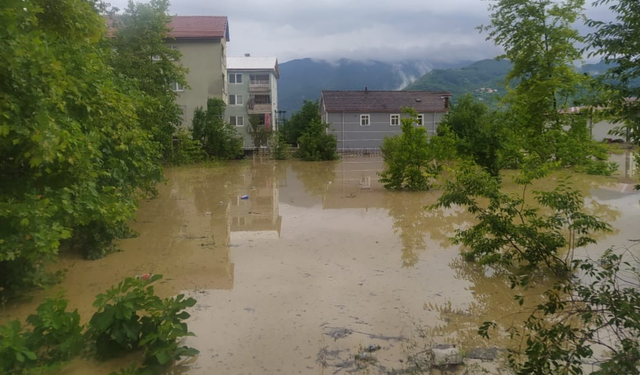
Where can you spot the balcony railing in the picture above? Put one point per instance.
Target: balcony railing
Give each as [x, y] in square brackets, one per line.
[259, 85]
[259, 108]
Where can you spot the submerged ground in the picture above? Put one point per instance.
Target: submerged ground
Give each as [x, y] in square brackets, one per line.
[319, 262]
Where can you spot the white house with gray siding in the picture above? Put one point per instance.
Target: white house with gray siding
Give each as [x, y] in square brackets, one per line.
[361, 119]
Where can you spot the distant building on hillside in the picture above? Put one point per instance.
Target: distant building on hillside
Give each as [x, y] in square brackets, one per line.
[253, 91]
[361, 119]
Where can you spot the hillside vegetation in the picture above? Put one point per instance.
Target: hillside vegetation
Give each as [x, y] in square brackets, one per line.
[481, 79]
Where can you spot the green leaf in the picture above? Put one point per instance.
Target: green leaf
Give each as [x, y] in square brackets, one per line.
[163, 357]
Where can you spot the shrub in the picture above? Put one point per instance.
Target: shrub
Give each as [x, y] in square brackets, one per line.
[131, 316]
[279, 147]
[219, 139]
[412, 161]
[315, 144]
[186, 150]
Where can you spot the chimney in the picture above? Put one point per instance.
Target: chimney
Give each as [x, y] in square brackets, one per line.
[247, 55]
[446, 102]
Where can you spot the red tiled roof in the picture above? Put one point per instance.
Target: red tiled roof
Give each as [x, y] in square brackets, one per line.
[192, 27]
[199, 27]
[385, 101]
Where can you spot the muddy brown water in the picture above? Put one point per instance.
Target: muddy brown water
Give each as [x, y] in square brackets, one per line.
[319, 262]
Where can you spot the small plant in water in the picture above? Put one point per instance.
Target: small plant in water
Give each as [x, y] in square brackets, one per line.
[131, 316]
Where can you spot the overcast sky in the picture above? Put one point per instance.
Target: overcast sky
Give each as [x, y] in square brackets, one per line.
[432, 30]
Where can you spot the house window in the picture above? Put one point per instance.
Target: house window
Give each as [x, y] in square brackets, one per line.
[394, 120]
[177, 87]
[420, 120]
[173, 48]
[236, 100]
[365, 120]
[158, 57]
[235, 78]
[236, 120]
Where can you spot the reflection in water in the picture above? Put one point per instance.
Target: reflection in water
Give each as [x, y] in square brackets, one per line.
[414, 223]
[255, 209]
[493, 300]
[357, 187]
[316, 177]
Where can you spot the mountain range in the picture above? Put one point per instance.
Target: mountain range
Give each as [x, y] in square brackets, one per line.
[304, 79]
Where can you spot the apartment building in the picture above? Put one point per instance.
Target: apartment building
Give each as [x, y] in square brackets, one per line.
[252, 94]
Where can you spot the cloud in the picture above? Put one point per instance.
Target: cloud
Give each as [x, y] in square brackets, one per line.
[442, 31]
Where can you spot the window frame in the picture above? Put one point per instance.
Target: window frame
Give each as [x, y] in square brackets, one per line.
[173, 48]
[236, 102]
[420, 121]
[235, 78]
[177, 87]
[396, 117]
[236, 118]
[365, 116]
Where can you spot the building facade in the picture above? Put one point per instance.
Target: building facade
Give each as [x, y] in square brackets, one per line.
[253, 94]
[362, 119]
[202, 41]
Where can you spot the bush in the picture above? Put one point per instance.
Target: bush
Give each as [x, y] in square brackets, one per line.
[315, 144]
[279, 147]
[130, 317]
[219, 139]
[511, 232]
[301, 121]
[479, 133]
[411, 159]
[186, 150]
[56, 336]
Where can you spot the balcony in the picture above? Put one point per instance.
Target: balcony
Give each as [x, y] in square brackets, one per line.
[253, 108]
[259, 85]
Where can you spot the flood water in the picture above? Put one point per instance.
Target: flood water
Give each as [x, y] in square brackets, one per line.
[319, 262]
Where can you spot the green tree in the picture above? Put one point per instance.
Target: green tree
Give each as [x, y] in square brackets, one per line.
[218, 138]
[412, 161]
[300, 121]
[616, 42]
[140, 53]
[593, 303]
[478, 132]
[511, 232]
[579, 315]
[315, 144]
[73, 157]
[258, 132]
[539, 38]
[278, 145]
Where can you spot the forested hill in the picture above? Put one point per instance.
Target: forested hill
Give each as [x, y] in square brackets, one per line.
[303, 79]
[481, 78]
